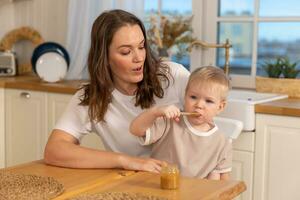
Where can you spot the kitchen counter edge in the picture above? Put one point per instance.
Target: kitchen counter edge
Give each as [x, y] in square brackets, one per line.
[286, 107]
[30, 82]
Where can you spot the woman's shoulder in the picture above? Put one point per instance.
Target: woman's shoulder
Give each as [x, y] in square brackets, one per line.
[177, 69]
[174, 65]
[77, 98]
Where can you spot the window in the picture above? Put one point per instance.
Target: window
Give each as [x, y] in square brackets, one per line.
[169, 7]
[259, 30]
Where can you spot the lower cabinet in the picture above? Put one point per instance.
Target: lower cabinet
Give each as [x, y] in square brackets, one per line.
[56, 106]
[277, 160]
[25, 126]
[242, 162]
[28, 118]
[242, 169]
[2, 129]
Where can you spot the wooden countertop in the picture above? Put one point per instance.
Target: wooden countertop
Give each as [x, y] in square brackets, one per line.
[287, 107]
[77, 181]
[4, 79]
[31, 82]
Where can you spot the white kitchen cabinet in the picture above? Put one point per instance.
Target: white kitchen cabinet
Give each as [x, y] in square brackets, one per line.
[25, 125]
[277, 160]
[29, 118]
[242, 162]
[2, 130]
[56, 106]
[242, 169]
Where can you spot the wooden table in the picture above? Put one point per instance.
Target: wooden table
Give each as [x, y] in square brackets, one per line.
[77, 181]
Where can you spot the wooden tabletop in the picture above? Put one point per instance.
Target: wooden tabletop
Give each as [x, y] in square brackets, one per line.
[75, 181]
[149, 184]
[78, 181]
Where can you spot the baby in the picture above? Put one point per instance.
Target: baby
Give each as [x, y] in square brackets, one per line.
[191, 139]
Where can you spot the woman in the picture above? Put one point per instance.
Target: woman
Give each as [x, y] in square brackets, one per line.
[125, 78]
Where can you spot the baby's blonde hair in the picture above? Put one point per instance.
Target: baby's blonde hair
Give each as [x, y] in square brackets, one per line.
[211, 75]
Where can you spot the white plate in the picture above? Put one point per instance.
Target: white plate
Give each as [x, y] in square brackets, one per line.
[51, 67]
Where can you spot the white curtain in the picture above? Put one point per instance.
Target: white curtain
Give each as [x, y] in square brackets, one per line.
[80, 19]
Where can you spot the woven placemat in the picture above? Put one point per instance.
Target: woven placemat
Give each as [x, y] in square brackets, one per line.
[117, 196]
[33, 187]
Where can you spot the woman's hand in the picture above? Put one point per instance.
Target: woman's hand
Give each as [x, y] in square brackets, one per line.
[141, 164]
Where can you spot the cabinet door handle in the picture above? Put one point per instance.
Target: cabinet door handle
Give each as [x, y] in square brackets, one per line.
[25, 95]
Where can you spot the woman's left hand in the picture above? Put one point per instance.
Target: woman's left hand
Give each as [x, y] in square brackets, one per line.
[141, 164]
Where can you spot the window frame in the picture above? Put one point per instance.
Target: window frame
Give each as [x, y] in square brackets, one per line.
[208, 33]
[205, 18]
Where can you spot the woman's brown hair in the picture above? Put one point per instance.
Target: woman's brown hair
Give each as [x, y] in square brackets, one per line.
[98, 93]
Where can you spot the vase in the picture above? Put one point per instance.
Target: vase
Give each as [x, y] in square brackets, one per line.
[163, 54]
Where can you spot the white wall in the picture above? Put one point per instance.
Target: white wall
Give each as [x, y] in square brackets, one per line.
[6, 17]
[49, 17]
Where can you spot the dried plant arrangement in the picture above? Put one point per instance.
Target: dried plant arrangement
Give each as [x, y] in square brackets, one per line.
[171, 34]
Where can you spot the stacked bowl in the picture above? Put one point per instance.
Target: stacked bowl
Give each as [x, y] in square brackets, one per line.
[50, 61]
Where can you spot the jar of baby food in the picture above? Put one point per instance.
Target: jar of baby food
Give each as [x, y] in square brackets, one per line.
[169, 177]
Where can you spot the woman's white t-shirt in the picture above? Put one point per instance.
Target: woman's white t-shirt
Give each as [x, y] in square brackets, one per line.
[114, 132]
